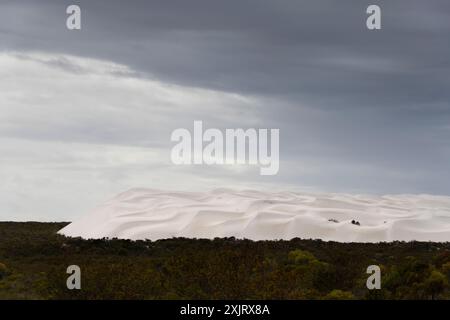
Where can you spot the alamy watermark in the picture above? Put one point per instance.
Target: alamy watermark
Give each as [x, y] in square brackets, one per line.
[74, 280]
[73, 21]
[374, 280]
[373, 21]
[234, 146]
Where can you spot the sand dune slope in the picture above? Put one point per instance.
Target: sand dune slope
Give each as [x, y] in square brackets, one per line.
[154, 214]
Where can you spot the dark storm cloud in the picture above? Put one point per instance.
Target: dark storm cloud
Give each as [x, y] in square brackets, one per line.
[338, 92]
[298, 49]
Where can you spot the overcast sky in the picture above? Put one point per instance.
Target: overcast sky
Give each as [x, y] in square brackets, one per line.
[87, 114]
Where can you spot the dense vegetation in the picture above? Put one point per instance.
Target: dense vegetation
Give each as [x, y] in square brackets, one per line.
[33, 262]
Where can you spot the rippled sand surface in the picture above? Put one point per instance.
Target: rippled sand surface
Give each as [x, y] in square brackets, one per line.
[155, 214]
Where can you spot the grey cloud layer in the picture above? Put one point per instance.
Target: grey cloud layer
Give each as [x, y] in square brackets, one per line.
[299, 49]
[358, 110]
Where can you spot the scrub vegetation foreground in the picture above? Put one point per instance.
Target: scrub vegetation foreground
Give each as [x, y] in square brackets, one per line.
[34, 261]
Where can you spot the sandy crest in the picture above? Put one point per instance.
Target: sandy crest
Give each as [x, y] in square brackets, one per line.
[155, 214]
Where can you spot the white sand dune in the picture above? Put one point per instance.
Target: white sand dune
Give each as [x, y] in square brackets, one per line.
[155, 214]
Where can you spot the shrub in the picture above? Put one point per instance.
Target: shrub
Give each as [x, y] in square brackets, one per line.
[339, 295]
[436, 284]
[3, 271]
[301, 257]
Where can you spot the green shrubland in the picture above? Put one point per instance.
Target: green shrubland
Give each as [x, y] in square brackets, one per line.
[34, 259]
